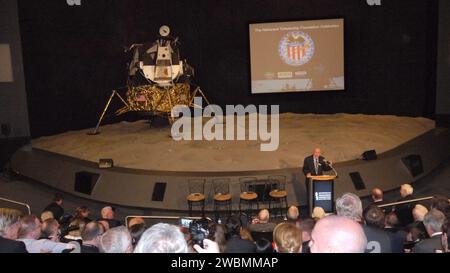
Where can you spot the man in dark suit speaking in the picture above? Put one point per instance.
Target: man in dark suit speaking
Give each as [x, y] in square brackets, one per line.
[315, 165]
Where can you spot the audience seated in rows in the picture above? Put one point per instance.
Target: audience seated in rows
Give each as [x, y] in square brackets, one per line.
[352, 230]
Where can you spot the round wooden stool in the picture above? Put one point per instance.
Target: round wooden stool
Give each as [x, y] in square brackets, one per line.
[278, 194]
[249, 199]
[196, 195]
[196, 199]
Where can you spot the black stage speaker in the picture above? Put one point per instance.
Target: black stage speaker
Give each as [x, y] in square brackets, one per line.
[6, 129]
[414, 164]
[105, 163]
[357, 180]
[85, 182]
[370, 155]
[159, 190]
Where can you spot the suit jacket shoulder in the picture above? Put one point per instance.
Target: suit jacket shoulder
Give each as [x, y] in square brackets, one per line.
[11, 246]
[428, 245]
[378, 241]
[307, 168]
[269, 227]
[238, 245]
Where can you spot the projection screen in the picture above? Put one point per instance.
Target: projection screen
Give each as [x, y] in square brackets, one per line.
[297, 56]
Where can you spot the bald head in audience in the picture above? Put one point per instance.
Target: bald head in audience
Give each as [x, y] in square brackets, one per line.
[377, 195]
[264, 216]
[336, 234]
[107, 213]
[406, 190]
[293, 214]
[419, 213]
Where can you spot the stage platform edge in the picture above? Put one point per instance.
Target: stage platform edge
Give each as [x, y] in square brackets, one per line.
[135, 188]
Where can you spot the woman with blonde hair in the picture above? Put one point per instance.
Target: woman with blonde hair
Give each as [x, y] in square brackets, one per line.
[287, 238]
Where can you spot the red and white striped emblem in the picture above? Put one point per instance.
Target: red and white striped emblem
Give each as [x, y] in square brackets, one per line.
[296, 52]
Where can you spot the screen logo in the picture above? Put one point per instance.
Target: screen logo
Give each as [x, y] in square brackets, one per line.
[296, 48]
[323, 196]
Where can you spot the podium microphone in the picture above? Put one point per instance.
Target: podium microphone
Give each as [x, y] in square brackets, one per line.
[332, 168]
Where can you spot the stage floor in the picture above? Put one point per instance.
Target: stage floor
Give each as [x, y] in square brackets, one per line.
[342, 137]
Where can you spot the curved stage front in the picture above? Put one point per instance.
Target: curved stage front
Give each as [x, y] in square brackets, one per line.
[166, 190]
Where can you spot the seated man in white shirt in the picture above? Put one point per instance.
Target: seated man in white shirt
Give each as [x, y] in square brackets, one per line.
[29, 233]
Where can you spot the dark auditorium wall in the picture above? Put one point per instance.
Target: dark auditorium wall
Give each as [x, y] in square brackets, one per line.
[74, 55]
[13, 101]
[443, 71]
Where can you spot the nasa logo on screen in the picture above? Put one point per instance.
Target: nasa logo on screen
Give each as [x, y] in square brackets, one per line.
[296, 48]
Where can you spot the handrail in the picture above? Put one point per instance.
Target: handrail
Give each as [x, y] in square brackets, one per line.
[17, 203]
[406, 202]
[159, 217]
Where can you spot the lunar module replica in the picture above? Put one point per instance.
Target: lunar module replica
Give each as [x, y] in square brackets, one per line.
[158, 80]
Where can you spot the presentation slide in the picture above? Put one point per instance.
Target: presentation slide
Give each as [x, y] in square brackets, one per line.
[297, 56]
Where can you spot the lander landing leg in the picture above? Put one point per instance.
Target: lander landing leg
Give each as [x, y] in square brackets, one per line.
[102, 116]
